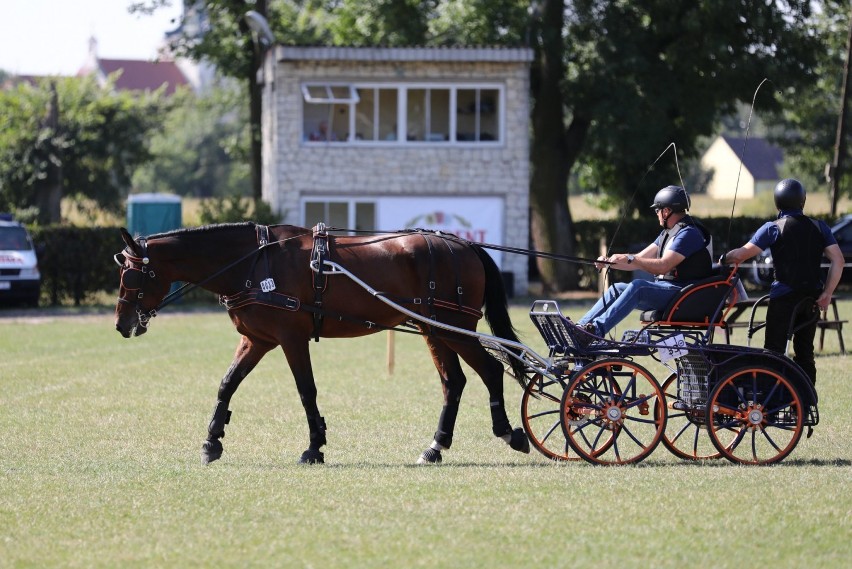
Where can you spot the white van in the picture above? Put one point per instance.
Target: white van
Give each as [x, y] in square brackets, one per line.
[20, 280]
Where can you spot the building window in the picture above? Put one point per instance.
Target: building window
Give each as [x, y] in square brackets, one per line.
[340, 213]
[327, 109]
[402, 114]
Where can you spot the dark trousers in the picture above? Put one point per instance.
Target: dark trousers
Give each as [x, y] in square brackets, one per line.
[778, 318]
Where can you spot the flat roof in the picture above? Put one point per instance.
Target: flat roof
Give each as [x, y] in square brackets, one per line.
[438, 54]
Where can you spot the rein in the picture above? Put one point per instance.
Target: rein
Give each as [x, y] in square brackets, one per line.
[507, 249]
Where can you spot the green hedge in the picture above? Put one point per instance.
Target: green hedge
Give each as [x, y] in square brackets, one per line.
[76, 262]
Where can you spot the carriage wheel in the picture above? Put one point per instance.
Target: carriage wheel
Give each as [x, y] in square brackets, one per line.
[757, 416]
[613, 412]
[540, 413]
[685, 435]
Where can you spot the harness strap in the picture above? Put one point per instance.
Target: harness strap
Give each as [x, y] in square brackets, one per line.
[456, 269]
[262, 241]
[438, 303]
[319, 254]
[258, 296]
[430, 298]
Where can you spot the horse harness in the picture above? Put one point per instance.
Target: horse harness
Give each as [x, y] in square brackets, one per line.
[320, 253]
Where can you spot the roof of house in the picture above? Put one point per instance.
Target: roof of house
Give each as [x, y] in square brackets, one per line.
[324, 53]
[140, 75]
[761, 158]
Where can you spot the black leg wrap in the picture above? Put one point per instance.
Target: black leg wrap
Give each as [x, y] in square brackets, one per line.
[211, 450]
[500, 424]
[221, 417]
[316, 424]
[446, 425]
[519, 441]
[444, 439]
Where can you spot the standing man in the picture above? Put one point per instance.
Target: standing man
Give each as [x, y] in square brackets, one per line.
[679, 256]
[798, 244]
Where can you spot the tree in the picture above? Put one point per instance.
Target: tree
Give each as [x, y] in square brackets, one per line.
[807, 123]
[639, 75]
[69, 136]
[613, 83]
[225, 39]
[203, 148]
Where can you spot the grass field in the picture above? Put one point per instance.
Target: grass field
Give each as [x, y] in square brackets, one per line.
[100, 467]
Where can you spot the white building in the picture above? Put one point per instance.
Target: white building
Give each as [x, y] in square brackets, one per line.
[395, 138]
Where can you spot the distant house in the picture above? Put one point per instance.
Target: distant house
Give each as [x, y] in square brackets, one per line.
[759, 172]
[136, 75]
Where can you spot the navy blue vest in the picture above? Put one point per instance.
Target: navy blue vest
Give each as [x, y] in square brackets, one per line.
[697, 266]
[797, 254]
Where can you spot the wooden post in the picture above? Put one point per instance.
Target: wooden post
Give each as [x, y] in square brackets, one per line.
[391, 351]
[603, 274]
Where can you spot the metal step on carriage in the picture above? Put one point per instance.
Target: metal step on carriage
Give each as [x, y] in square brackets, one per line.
[598, 403]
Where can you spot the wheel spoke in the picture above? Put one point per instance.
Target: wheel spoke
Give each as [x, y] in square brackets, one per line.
[550, 431]
[769, 439]
[630, 434]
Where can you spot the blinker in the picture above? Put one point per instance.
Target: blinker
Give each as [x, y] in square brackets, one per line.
[131, 279]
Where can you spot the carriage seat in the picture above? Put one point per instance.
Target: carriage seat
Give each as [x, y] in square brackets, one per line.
[703, 304]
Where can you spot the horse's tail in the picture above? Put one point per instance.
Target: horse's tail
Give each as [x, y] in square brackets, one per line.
[497, 311]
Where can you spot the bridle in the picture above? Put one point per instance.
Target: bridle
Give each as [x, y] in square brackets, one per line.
[134, 272]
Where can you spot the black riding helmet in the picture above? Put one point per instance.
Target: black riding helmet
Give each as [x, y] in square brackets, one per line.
[672, 197]
[789, 194]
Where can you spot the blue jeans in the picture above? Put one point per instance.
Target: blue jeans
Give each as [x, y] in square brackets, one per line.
[619, 299]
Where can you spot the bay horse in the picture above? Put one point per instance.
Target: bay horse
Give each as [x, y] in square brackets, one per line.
[272, 282]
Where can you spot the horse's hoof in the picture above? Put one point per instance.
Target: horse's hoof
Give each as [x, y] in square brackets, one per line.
[430, 456]
[210, 451]
[519, 441]
[311, 456]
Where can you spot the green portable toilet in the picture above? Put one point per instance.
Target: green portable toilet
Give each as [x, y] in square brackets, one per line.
[153, 213]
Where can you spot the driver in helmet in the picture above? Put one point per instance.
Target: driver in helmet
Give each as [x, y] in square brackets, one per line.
[798, 244]
[679, 256]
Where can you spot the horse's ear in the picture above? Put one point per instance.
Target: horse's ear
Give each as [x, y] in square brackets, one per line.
[128, 240]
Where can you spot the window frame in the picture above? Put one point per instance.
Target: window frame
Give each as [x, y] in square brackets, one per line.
[402, 89]
[351, 209]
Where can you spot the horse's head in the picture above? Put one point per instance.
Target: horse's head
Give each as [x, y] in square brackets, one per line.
[140, 291]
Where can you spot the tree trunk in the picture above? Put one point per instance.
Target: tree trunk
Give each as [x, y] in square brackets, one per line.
[255, 95]
[550, 218]
[255, 109]
[49, 189]
[838, 167]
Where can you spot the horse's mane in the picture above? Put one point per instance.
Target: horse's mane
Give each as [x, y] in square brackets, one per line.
[203, 229]
[215, 227]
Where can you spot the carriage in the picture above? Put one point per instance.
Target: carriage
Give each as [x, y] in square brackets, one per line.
[600, 401]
